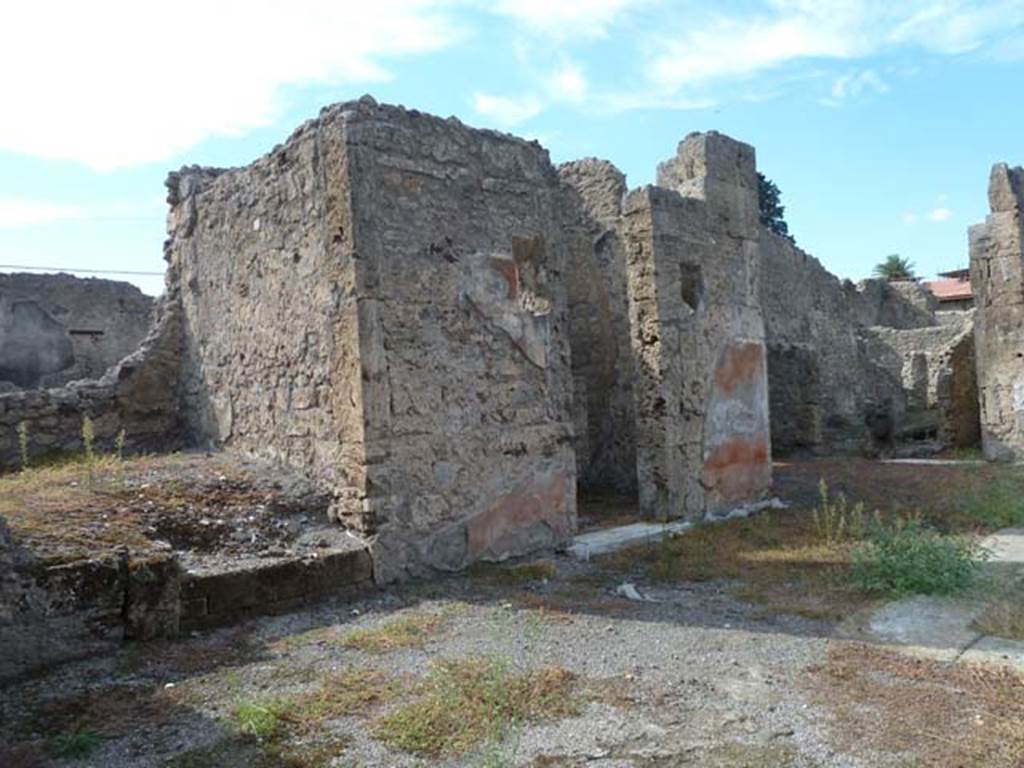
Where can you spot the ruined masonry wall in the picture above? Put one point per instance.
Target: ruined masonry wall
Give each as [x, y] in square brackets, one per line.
[464, 239]
[265, 257]
[697, 332]
[997, 277]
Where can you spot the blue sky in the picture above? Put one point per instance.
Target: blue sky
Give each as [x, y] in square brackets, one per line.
[878, 120]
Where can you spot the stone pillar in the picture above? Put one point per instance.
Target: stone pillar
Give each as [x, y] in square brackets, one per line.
[701, 389]
[997, 277]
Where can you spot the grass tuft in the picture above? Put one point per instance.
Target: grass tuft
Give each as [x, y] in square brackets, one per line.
[405, 632]
[263, 720]
[75, 745]
[514, 574]
[461, 704]
[994, 504]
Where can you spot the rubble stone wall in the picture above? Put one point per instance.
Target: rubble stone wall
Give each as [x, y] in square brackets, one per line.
[997, 278]
[265, 258]
[55, 329]
[897, 304]
[464, 239]
[814, 368]
[697, 333]
[381, 302]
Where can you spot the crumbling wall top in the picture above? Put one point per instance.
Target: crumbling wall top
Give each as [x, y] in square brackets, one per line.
[1006, 189]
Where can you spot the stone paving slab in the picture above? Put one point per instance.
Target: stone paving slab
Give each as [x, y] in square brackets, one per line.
[936, 627]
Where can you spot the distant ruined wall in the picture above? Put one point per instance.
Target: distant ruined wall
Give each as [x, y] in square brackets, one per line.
[381, 302]
[935, 366]
[893, 304]
[57, 328]
[139, 395]
[815, 373]
[603, 403]
[997, 278]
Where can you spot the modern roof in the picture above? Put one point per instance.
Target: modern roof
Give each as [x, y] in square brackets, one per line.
[950, 289]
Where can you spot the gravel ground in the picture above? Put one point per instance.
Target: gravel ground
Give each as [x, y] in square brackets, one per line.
[694, 680]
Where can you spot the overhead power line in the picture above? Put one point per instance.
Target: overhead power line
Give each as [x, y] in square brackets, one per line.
[81, 271]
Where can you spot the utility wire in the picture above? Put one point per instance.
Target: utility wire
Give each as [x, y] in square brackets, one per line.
[82, 271]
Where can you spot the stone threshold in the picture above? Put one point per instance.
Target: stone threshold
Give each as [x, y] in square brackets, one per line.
[608, 540]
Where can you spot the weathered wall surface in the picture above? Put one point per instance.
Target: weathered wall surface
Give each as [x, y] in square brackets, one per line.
[698, 338]
[139, 395]
[381, 301]
[264, 256]
[464, 239]
[814, 367]
[604, 412]
[935, 366]
[57, 328]
[997, 278]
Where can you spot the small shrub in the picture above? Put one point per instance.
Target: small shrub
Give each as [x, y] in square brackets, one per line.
[835, 521]
[75, 745]
[23, 444]
[993, 505]
[905, 558]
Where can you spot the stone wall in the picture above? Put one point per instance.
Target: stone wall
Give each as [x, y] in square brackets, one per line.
[815, 373]
[697, 333]
[935, 366]
[896, 304]
[57, 328]
[381, 301]
[139, 395]
[602, 361]
[997, 278]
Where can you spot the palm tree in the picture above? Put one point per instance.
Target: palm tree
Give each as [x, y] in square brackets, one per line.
[895, 267]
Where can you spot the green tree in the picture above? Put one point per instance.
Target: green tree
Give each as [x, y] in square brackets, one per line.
[895, 267]
[770, 201]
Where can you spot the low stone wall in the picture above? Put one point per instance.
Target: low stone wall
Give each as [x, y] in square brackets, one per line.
[261, 590]
[138, 395]
[51, 613]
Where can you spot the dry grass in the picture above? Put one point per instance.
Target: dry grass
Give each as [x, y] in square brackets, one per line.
[1003, 617]
[463, 703]
[357, 691]
[775, 558]
[411, 631]
[513, 574]
[933, 713]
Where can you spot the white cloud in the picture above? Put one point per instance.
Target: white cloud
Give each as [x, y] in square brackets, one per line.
[568, 84]
[507, 111]
[781, 32]
[115, 83]
[909, 218]
[564, 18]
[855, 84]
[940, 214]
[16, 213]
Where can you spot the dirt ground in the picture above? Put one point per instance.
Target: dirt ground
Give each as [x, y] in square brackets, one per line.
[731, 657]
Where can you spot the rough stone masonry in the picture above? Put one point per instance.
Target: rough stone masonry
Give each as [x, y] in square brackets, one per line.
[383, 301]
[997, 276]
